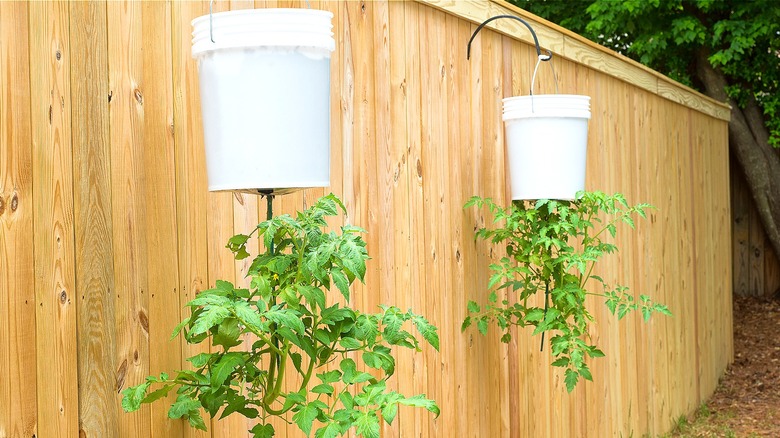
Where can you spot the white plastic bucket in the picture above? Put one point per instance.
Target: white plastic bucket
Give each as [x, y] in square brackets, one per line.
[265, 97]
[547, 141]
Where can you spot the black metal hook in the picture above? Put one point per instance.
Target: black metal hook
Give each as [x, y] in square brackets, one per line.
[536, 40]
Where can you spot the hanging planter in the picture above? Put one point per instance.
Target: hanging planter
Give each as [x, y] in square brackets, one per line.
[546, 138]
[265, 97]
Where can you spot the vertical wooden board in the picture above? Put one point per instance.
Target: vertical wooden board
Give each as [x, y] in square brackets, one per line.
[245, 219]
[492, 181]
[530, 364]
[410, 423]
[361, 176]
[771, 271]
[346, 93]
[18, 388]
[474, 220]
[636, 361]
[725, 291]
[453, 346]
[156, 96]
[192, 205]
[401, 208]
[693, 254]
[54, 245]
[126, 118]
[656, 155]
[433, 151]
[703, 321]
[606, 371]
[644, 128]
[667, 344]
[740, 228]
[597, 178]
[681, 290]
[388, 162]
[93, 218]
[718, 244]
[615, 381]
[756, 240]
[625, 268]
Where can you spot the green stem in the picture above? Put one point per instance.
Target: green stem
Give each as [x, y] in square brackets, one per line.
[307, 377]
[262, 337]
[270, 381]
[277, 385]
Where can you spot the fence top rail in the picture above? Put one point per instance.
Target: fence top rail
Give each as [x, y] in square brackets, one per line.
[569, 45]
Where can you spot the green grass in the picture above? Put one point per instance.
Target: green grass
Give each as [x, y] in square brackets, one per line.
[703, 424]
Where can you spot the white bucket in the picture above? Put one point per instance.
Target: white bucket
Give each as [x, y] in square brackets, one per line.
[547, 141]
[265, 97]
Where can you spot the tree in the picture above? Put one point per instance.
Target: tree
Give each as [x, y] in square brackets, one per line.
[727, 49]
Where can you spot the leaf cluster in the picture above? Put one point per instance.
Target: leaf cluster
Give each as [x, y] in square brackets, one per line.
[284, 324]
[552, 248]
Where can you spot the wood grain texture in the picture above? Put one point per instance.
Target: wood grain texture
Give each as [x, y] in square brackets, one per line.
[95, 293]
[189, 186]
[416, 131]
[18, 405]
[54, 235]
[750, 246]
[129, 208]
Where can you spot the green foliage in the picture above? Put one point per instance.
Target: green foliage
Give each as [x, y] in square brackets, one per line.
[741, 39]
[292, 328]
[551, 249]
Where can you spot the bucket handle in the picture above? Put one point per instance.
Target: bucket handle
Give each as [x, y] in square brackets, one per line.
[211, 18]
[533, 78]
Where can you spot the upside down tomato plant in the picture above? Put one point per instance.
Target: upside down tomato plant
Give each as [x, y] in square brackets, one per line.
[294, 330]
[552, 248]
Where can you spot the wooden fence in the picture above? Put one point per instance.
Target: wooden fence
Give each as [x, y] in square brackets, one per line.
[107, 229]
[756, 266]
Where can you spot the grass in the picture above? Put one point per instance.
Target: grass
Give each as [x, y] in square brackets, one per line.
[705, 423]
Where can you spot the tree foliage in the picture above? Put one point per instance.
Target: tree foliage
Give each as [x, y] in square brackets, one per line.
[728, 49]
[741, 37]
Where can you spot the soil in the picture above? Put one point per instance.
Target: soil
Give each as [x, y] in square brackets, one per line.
[747, 401]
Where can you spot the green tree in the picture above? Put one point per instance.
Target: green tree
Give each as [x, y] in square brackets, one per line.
[727, 49]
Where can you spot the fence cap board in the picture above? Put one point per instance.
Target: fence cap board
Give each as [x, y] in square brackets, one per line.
[571, 46]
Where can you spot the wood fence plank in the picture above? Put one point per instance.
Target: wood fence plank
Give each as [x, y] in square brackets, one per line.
[18, 386]
[756, 250]
[387, 163]
[93, 218]
[740, 227]
[433, 147]
[126, 120]
[401, 209]
[476, 352]
[192, 197]
[414, 94]
[54, 236]
[156, 96]
[454, 342]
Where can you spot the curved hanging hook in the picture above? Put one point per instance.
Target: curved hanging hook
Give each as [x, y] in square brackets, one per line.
[546, 57]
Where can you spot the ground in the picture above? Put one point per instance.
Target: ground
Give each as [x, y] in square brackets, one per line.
[747, 401]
